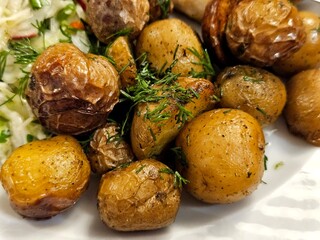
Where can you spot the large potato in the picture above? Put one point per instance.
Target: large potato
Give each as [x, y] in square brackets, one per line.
[302, 111]
[224, 155]
[253, 90]
[308, 56]
[71, 92]
[141, 196]
[149, 136]
[45, 177]
[167, 40]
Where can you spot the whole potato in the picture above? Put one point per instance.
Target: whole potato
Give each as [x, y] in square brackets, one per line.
[302, 111]
[253, 90]
[308, 56]
[108, 17]
[140, 196]
[224, 155]
[71, 92]
[45, 177]
[262, 31]
[167, 40]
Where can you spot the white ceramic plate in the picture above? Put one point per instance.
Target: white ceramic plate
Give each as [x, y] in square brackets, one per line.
[196, 220]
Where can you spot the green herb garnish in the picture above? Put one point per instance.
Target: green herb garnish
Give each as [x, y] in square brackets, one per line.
[38, 4]
[178, 179]
[3, 62]
[23, 52]
[204, 60]
[165, 7]
[4, 135]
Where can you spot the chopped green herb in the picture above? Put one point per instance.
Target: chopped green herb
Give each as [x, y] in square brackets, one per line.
[4, 135]
[178, 179]
[180, 156]
[204, 60]
[140, 168]
[165, 7]
[261, 111]
[66, 12]
[31, 138]
[278, 165]
[23, 52]
[38, 4]
[3, 61]
[265, 160]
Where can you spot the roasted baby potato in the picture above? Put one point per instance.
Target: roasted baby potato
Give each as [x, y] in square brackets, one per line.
[223, 153]
[302, 111]
[253, 90]
[156, 124]
[71, 92]
[169, 40]
[308, 56]
[107, 17]
[140, 196]
[261, 32]
[45, 177]
[121, 53]
[108, 150]
[193, 9]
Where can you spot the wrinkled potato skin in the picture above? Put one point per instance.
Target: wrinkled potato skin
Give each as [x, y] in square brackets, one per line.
[260, 32]
[163, 37]
[120, 51]
[45, 177]
[253, 90]
[107, 17]
[213, 28]
[224, 152]
[68, 99]
[302, 111]
[138, 197]
[107, 151]
[308, 56]
[149, 138]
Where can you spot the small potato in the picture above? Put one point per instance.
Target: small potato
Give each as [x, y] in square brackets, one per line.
[191, 8]
[141, 196]
[45, 177]
[224, 155]
[308, 56]
[302, 111]
[253, 90]
[167, 40]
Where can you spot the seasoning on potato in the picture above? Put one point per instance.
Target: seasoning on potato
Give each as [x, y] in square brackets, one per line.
[223, 155]
[302, 111]
[141, 196]
[253, 90]
[71, 92]
[45, 177]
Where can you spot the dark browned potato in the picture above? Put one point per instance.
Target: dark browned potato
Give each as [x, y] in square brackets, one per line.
[262, 31]
[302, 111]
[253, 90]
[71, 92]
[108, 17]
[149, 135]
[224, 152]
[308, 56]
[141, 196]
[45, 177]
[108, 149]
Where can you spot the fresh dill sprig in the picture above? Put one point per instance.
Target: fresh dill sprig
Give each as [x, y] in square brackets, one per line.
[178, 179]
[22, 83]
[165, 7]
[23, 52]
[204, 60]
[42, 27]
[3, 61]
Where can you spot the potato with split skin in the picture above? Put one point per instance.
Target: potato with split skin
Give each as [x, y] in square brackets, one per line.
[140, 196]
[302, 111]
[253, 90]
[156, 124]
[44, 178]
[169, 40]
[223, 153]
[71, 92]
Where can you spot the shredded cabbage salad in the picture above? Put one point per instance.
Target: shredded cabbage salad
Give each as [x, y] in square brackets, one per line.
[27, 27]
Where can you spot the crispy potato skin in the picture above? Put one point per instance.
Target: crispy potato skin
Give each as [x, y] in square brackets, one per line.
[138, 197]
[253, 90]
[149, 138]
[107, 17]
[171, 38]
[224, 150]
[45, 177]
[260, 32]
[106, 151]
[308, 56]
[71, 92]
[302, 111]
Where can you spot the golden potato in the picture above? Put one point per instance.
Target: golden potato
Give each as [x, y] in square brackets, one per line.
[224, 155]
[167, 40]
[45, 177]
[308, 56]
[151, 134]
[302, 111]
[253, 90]
[140, 196]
